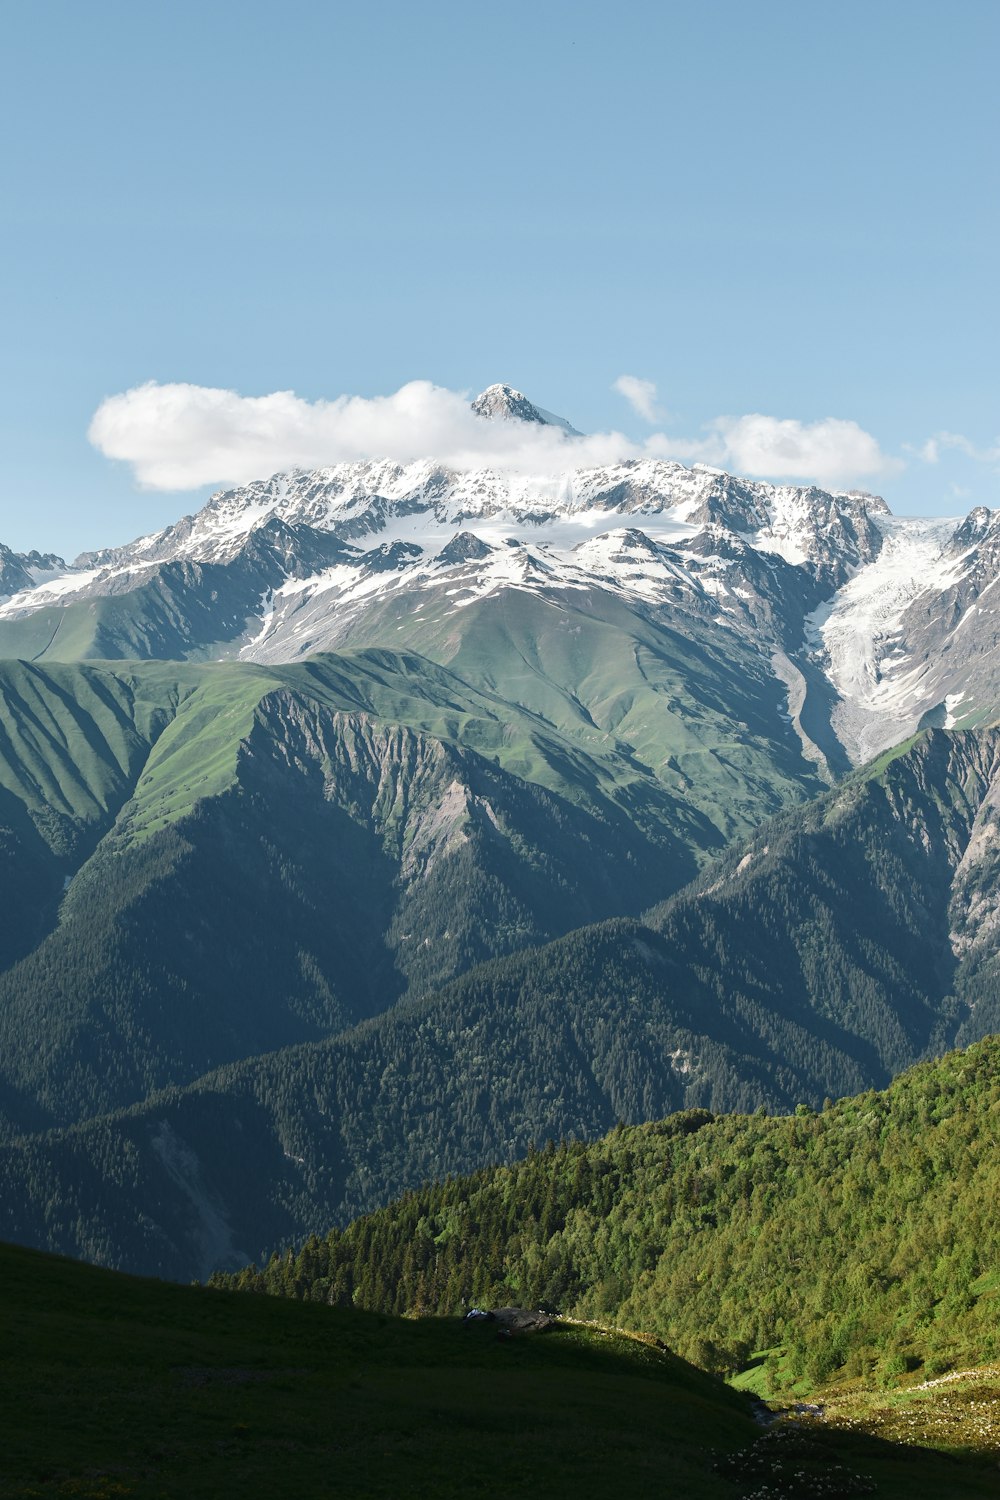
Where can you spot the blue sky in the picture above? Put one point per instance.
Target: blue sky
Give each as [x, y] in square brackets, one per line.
[769, 208]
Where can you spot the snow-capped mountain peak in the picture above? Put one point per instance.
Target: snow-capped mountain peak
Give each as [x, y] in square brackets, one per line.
[504, 403]
[872, 624]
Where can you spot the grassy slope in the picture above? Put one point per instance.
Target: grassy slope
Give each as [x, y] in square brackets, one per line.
[184, 611]
[204, 821]
[119, 1387]
[952, 1422]
[599, 716]
[704, 717]
[403, 688]
[113, 1387]
[135, 749]
[958, 1414]
[862, 1240]
[74, 738]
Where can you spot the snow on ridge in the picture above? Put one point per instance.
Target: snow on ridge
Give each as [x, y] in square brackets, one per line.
[677, 541]
[53, 590]
[627, 526]
[858, 633]
[619, 561]
[788, 531]
[951, 702]
[357, 499]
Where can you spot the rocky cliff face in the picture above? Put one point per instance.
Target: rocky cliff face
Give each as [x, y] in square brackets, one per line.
[22, 571]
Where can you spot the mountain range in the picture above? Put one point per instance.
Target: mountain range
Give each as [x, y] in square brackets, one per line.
[865, 626]
[376, 821]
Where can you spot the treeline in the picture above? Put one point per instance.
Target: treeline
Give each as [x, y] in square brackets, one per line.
[863, 1239]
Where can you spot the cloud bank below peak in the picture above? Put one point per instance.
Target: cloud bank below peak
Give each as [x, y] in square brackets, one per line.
[182, 437]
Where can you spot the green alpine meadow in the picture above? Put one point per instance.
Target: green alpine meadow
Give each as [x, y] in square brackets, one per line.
[116, 1386]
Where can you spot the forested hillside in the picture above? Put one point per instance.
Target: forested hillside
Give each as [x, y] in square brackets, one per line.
[200, 864]
[814, 963]
[861, 1240]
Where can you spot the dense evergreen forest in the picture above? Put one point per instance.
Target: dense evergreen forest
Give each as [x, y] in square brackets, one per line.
[815, 962]
[861, 1239]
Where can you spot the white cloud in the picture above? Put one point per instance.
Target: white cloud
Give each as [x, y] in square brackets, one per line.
[930, 452]
[178, 437]
[830, 451]
[640, 395]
